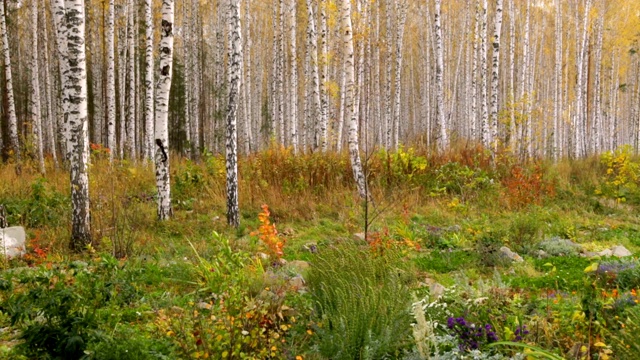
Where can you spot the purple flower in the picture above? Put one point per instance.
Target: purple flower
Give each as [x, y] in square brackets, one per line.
[470, 336]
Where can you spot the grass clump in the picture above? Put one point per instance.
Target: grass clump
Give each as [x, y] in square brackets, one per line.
[362, 301]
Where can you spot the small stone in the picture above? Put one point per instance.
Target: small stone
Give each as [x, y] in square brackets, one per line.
[311, 247]
[298, 266]
[12, 241]
[454, 228]
[605, 253]
[542, 254]
[297, 282]
[359, 236]
[620, 251]
[204, 306]
[510, 254]
[262, 256]
[79, 264]
[436, 290]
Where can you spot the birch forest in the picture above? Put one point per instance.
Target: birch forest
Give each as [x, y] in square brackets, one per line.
[540, 78]
[450, 179]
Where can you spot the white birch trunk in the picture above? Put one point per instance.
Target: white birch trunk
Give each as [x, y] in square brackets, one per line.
[495, 73]
[59, 20]
[294, 74]
[162, 111]
[111, 80]
[474, 75]
[51, 144]
[314, 109]
[596, 139]
[579, 121]
[148, 81]
[247, 90]
[557, 103]
[11, 106]
[486, 135]
[78, 120]
[349, 74]
[131, 84]
[401, 8]
[324, 77]
[443, 144]
[235, 82]
[36, 112]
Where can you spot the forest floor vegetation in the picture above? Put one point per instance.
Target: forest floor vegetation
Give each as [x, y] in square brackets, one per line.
[299, 279]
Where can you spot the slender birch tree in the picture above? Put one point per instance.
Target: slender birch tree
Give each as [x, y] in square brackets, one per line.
[349, 74]
[235, 82]
[11, 106]
[443, 143]
[401, 9]
[486, 134]
[78, 141]
[324, 78]
[111, 80]
[293, 9]
[557, 103]
[315, 111]
[36, 111]
[148, 82]
[495, 73]
[162, 111]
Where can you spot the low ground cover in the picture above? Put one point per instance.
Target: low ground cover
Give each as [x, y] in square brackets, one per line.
[300, 279]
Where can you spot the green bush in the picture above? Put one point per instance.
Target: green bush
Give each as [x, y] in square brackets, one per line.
[524, 232]
[488, 249]
[362, 303]
[44, 206]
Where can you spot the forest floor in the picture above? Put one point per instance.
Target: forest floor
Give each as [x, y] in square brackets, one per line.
[464, 257]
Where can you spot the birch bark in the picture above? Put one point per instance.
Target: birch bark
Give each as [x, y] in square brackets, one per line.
[444, 141]
[235, 82]
[78, 141]
[495, 73]
[148, 80]
[162, 111]
[349, 74]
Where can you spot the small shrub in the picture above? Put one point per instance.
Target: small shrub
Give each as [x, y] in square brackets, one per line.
[268, 235]
[524, 186]
[622, 174]
[362, 303]
[523, 233]
[488, 249]
[559, 247]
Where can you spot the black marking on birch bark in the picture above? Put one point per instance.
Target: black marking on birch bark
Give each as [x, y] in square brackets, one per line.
[164, 153]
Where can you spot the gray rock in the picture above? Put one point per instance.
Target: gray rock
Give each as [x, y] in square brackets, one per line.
[12, 240]
[359, 236]
[620, 251]
[298, 266]
[79, 264]
[506, 252]
[454, 228]
[297, 282]
[436, 290]
[588, 254]
[204, 305]
[542, 254]
[605, 253]
[311, 247]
